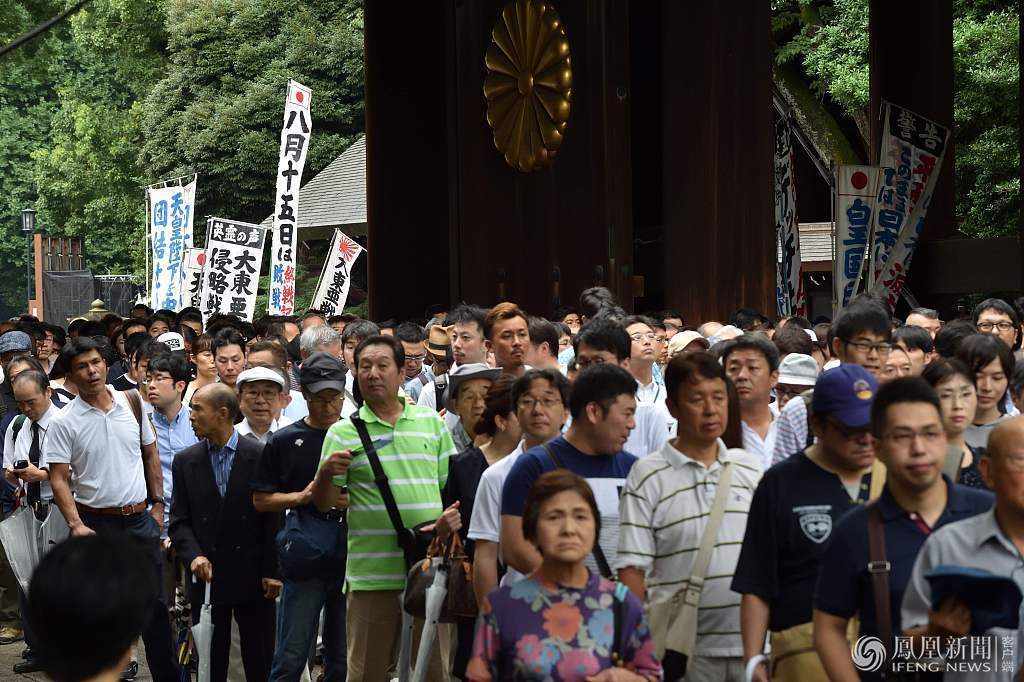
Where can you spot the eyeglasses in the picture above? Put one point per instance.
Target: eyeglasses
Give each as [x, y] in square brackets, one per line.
[640, 336]
[415, 358]
[989, 326]
[904, 437]
[788, 393]
[847, 432]
[529, 403]
[267, 395]
[318, 400]
[866, 347]
[583, 363]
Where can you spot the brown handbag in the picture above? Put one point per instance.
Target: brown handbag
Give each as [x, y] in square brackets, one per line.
[459, 602]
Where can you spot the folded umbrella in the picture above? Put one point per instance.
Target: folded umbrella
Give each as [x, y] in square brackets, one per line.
[53, 531]
[435, 601]
[202, 634]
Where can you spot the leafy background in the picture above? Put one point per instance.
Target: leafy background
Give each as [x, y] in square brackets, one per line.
[132, 91]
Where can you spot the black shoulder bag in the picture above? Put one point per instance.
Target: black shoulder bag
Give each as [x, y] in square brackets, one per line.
[599, 558]
[413, 541]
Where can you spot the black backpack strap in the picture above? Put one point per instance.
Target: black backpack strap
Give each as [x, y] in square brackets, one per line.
[381, 479]
[602, 562]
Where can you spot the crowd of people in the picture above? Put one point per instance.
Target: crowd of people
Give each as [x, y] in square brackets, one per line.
[630, 496]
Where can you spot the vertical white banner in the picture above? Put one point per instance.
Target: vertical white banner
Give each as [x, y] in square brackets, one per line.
[336, 278]
[855, 206]
[192, 277]
[171, 214]
[234, 253]
[294, 143]
[789, 287]
[914, 148]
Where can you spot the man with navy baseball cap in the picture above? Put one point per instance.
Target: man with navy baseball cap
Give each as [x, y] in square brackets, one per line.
[868, 563]
[791, 518]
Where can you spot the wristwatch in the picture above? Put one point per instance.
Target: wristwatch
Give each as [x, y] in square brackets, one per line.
[156, 500]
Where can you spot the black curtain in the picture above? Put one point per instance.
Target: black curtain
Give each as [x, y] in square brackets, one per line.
[67, 295]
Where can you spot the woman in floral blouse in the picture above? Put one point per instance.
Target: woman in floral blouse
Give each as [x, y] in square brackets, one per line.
[559, 622]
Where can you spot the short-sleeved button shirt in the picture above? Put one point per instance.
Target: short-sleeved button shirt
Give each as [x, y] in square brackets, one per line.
[791, 519]
[414, 454]
[844, 585]
[103, 450]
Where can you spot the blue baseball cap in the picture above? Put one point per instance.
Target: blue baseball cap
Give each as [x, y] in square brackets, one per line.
[846, 393]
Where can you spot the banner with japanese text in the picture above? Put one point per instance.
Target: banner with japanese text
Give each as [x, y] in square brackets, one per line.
[234, 252]
[789, 288]
[855, 206]
[292, 159]
[332, 289]
[192, 277]
[171, 211]
[911, 156]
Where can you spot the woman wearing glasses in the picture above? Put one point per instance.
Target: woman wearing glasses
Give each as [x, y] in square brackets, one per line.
[954, 382]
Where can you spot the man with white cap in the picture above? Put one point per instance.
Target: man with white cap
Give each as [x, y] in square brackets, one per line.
[261, 399]
[797, 373]
[467, 388]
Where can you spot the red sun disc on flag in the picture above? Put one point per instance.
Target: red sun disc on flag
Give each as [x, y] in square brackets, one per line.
[859, 180]
[298, 96]
[202, 259]
[347, 247]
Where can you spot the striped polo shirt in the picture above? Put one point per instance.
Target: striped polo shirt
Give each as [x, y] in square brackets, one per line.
[414, 454]
[664, 510]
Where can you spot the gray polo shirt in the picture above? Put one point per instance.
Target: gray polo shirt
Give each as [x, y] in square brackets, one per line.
[976, 542]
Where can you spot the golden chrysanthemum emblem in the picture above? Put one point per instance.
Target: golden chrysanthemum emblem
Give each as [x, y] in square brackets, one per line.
[528, 84]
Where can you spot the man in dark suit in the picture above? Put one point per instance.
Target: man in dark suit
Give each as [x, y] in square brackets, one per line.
[218, 534]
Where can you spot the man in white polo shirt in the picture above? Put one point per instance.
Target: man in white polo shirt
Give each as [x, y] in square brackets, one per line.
[664, 512]
[105, 473]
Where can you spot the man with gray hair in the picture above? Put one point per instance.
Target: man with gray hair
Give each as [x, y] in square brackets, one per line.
[355, 332]
[926, 318]
[320, 338]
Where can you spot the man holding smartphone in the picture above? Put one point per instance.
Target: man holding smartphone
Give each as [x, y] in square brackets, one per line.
[23, 443]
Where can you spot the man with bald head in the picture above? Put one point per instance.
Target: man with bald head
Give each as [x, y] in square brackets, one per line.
[221, 538]
[992, 541]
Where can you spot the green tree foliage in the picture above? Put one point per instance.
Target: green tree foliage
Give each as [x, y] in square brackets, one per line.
[218, 111]
[825, 42]
[129, 92]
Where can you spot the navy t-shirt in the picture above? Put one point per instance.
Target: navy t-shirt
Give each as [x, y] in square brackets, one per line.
[791, 517]
[290, 459]
[606, 475]
[844, 585]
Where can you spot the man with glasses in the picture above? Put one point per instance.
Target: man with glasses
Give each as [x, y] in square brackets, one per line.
[261, 393]
[996, 316]
[863, 336]
[791, 519]
[166, 377]
[642, 357]
[991, 541]
[917, 499]
[283, 482]
[416, 374]
[673, 323]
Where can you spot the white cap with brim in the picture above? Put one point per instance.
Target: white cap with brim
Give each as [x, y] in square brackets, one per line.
[260, 374]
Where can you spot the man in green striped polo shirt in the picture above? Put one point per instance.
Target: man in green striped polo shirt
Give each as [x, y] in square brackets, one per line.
[413, 446]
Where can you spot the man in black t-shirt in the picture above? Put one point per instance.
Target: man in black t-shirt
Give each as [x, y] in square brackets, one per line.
[791, 519]
[284, 483]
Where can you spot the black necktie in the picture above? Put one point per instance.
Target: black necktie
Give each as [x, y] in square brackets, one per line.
[33, 456]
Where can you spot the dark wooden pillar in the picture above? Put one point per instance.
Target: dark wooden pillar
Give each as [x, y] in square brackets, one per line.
[921, 79]
[719, 244]
[406, 158]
